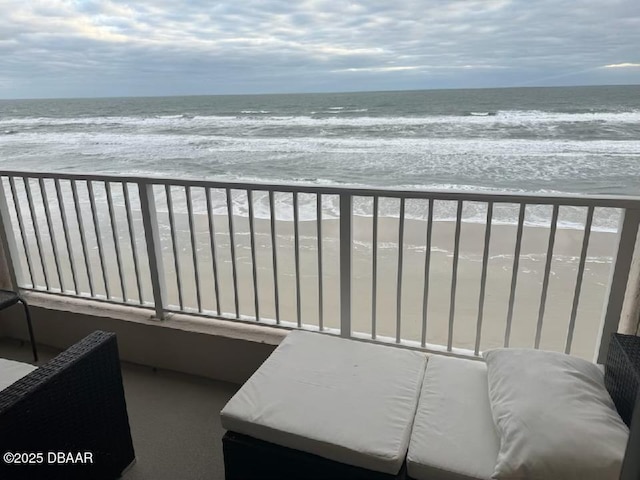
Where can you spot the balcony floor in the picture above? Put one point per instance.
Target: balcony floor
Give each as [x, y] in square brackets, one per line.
[174, 419]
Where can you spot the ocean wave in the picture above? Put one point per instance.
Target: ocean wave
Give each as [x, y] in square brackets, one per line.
[470, 164]
[473, 212]
[503, 117]
[430, 146]
[570, 218]
[341, 110]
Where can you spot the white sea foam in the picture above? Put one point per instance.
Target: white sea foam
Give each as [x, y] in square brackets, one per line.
[507, 117]
[605, 220]
[199, 145]
[461, 152]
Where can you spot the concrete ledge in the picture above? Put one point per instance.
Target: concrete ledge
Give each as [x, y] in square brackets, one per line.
[217, 349]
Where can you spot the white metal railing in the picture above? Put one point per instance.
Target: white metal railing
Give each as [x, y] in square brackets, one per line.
[125, 239]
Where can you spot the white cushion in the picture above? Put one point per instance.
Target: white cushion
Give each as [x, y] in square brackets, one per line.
[453, 435]
[344, 400]
[554, 417]
[12, 371]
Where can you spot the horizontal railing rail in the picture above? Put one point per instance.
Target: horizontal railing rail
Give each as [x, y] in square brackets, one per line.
[605, 201]
[381, 264]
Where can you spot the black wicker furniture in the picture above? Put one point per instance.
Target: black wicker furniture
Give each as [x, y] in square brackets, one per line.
[9, 298]
[247, 458]
[622, 377]
[74, 403]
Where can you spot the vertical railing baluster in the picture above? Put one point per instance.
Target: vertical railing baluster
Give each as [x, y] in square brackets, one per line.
[67, 239]
[274, 248]
[483, 276]
[194, 246]
[23, 233]
[65, 274]
[427, 270]
[320, 276]
[154, 247]
[83, 237]
[547, 273]
[52, 233]
[132, 239]
[96, 226]
[296, 240]
[254, 263]
[374, 270]
[36, 231]
[8, 239]
[212, 241]
[232, 247]
[627, 235]
[399, 278]
[174, 244]
[576, 295]
[514, 273]
[454, 276]
[116, 239]
[346, 210]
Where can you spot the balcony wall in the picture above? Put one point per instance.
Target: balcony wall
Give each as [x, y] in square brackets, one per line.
[211, 349]
[215, 349]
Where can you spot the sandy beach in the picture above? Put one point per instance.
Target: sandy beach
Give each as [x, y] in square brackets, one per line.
[527, 299]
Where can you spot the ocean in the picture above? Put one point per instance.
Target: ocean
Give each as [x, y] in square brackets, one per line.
[583, 140]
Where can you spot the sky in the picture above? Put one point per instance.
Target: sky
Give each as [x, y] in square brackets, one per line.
[103, 48]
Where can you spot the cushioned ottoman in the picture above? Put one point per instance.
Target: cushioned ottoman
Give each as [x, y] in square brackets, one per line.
[453, 436]
[322, 406]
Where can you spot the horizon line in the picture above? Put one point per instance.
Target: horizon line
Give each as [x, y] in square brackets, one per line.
[321, 92]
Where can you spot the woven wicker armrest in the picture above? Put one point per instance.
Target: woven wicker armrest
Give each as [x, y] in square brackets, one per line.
[74, 403]
[622, 377]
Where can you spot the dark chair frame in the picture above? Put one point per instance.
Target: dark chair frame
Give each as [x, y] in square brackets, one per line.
[9, 298]
[622, 377]
[247, 458]
[74, 403]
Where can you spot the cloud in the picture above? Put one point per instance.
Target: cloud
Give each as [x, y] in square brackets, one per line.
[424, 68]
[380, 69]
[112, 47]
[623, 65]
